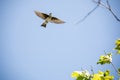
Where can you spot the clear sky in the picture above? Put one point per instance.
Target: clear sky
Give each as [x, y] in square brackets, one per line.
[31, 52]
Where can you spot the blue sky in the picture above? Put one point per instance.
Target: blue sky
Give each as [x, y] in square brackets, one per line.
[31, 52]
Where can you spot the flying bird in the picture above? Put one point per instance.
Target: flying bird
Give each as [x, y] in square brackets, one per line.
[48, 18]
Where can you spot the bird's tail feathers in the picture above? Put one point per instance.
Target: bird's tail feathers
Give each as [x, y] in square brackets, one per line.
[44, 25]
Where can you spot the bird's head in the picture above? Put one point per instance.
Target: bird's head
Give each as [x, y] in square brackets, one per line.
[50, 14]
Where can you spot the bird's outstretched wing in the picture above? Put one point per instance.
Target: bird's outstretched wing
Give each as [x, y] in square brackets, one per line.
[56, 20]
[41, 15]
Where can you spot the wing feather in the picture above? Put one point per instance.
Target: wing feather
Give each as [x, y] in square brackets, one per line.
[41, 15]
[56, 20]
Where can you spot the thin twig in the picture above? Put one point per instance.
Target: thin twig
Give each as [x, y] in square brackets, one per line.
[114, 68]
[112, 11]
[92, 70]
[105, 52]
[99, 2]
[112, 64]
[108, 6]
[89, 12]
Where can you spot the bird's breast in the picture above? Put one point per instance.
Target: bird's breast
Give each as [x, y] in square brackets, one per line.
[48, 19]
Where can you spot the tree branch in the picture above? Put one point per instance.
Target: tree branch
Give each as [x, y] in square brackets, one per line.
[109, 8]
[99, 2]
[115, 68]
[89, 12]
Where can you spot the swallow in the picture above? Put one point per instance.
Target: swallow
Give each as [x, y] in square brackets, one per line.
[48, 18]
